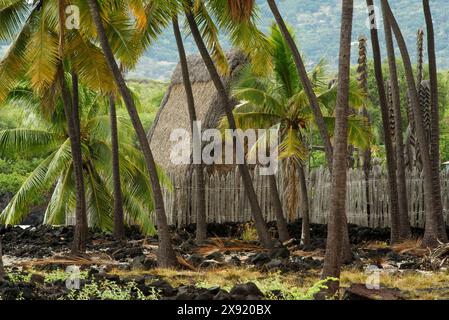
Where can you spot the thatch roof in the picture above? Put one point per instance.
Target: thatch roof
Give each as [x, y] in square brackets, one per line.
[173, 113]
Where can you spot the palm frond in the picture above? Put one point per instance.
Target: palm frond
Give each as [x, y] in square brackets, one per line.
[35, 185]
[27, 142]
[292, 147]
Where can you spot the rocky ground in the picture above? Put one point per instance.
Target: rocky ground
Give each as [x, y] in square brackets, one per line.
[227, 267]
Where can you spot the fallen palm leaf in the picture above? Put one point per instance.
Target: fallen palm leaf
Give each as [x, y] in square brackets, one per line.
[223, 244]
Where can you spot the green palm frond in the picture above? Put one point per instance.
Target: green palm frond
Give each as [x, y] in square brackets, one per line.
[244, 32]
[15, 62]
[210, 34]
[99, 201]
[13, 14]
[27, 142]
[292, 147]
[137, 213]
[285, 70]
[43, 54]
[35, 185]
[359, 130]
[62, 199]
[328, 97]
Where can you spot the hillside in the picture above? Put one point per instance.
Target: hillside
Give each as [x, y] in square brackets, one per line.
[317, 26]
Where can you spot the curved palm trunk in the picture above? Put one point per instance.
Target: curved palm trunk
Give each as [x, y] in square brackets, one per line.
[391, 159]
[281, 222]
[404, 231]
[336, 224]
[2, 269]
[262, 229]
[201, 224]
[435, 123]
[119, 224]
[305, 212]
[80, 236]
[166, 254]
[433, 232]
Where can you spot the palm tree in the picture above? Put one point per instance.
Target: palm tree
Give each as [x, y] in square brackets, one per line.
[201, 225]
[166, 254]
[119, 226]
[434, 216]
[336, 224]
[305, 82]
[71, 110]
[49, 139]
[260, 224]
[80, 237]
[37, 53]
[404, 231]
[435, 117]
[314, 105]
[391, 159]
[279, 101]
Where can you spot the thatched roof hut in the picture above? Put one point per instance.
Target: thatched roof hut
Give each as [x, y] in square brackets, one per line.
[173, 113]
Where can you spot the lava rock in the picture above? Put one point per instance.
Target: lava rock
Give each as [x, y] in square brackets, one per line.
[142, 263]
[408, 265]
[260, 258]
[394, 256]
[127, 253]
[274, 264]
[209, 264]
[280, 253]
[195, 259]
[164, 288]
[217, 256]
[361, 292]
[37, 278]
[205, 296]
[214, 290]
[244, 291]
[222, 295]
[235, 261]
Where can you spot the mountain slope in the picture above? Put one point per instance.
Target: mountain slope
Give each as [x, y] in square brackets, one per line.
[317, 27]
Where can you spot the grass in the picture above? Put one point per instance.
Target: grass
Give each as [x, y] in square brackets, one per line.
[291, 286]
[413, 284]
[249, 232]
[294, 286]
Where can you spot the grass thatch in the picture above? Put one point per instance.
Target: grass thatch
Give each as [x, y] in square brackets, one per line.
[173, 113]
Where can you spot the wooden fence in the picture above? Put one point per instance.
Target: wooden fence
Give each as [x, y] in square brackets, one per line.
[226, 200]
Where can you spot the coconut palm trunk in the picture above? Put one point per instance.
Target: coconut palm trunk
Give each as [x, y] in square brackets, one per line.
[281, 222]
[201, 224]
[333, 257]
[435, 117]
[391, 158]
[261, 226]
[433, 233]
[80, 236]
[166, 254]
[2, 268]
[305, 212]
[404, 231]
[119, 224]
